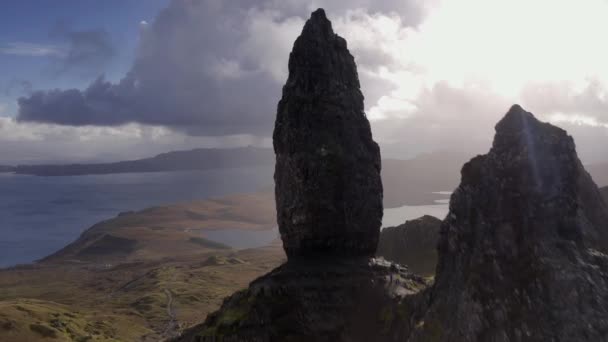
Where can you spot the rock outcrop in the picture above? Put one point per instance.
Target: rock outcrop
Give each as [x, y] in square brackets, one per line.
[412, 244]
[604, 192]
[310, 300]
[328, 187]
[521, 251]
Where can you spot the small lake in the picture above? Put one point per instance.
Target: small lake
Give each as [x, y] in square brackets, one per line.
[396, 216]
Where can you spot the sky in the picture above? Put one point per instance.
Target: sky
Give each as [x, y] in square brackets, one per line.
[84, 80]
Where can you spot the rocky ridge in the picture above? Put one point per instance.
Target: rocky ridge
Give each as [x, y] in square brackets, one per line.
[521, 250]
[413, 244]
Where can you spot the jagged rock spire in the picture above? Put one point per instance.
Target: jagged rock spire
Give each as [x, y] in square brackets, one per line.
[519, 253]
[328, 187]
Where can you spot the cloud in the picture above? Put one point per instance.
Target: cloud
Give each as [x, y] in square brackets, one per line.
[27, 143]
[83, 51]
[32, 50]
[457, 73]
[16, 85]
[584, 101]
[410, 11]
[202, 67]
[435, 74]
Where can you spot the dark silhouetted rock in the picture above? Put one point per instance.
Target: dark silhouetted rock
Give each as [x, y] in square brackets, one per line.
[521, 251]
[328, 187]
[413, 244]
[329, 204]
[604, 192]
[316, 300]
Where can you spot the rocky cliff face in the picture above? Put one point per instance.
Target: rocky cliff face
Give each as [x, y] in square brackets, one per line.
[521, 251]
[328, 187]
[413, 244]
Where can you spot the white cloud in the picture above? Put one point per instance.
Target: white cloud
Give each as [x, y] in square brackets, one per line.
[269, 40]
[32, 49]
[500, 47]
[448, 80]
[23, 143]
[577, 119]
[226, 69]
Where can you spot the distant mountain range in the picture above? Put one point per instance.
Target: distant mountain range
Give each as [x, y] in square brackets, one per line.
[198, 159]
[406, 182]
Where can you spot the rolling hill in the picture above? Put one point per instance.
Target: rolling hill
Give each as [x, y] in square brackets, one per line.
[169, 231]
[140, 276]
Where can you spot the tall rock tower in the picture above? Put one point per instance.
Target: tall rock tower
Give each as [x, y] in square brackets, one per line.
[328, 187]
[329, 208]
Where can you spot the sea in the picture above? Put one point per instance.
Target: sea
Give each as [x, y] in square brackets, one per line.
[40, 215]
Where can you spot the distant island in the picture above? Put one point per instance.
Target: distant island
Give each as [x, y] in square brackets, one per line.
[197, 159]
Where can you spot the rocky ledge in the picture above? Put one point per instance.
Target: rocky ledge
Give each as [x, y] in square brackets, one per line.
[319, 300]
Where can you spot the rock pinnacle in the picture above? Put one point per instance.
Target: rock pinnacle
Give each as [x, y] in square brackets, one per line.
[328, 187]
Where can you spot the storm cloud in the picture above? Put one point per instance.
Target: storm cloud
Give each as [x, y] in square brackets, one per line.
[203, 67]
